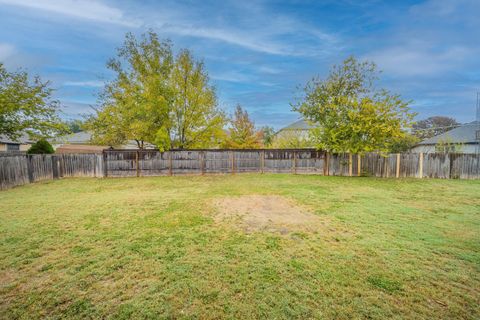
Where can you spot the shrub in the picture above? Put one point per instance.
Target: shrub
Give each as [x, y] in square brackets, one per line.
[40, 147]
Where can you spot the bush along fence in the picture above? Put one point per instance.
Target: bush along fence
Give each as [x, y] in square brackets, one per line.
[18, 169]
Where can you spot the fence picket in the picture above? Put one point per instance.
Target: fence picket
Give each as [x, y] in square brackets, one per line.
[19, 169]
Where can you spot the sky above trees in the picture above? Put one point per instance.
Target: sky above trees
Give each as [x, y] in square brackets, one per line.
[257, 53]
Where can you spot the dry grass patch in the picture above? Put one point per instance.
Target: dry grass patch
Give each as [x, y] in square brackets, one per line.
[266, 213]
[176, 248]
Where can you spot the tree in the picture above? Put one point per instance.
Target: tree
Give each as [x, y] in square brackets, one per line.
[156, 98]
[75, 125]
[404, 144]
[268, 134]
[27, 106]
[135, 105]
[196, 121]
[350, 113]
[291, 139]
[242, 133]
[447, 145]
[42, 146]
[433, 126]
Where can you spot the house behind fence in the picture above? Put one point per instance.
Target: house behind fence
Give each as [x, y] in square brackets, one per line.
[19, 169]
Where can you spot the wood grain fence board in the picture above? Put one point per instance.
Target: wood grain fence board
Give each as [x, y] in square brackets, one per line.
[19, 169]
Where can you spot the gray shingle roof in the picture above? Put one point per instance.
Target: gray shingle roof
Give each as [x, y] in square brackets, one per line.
[298, 125]
[462, 134]
[82, 137]
[23, 139]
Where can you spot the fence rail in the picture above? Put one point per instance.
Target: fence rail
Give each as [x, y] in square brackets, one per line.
[19, 169]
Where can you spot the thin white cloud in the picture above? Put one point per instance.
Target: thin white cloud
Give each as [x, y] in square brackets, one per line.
[231, 37]
[85, 9]
[269, 70]
[178, 22]
[254, 27]
[6, 51]
[88, 83]
[232, 76]
[412, 60]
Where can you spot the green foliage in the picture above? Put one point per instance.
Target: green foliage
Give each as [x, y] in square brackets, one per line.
[292, 139]
[27, 106]
[156, 98]
[135, 105]
[447, 145]
[383, 283]
[196, 121]
[156, 248]
[42, 146]
[242, 133]
[75, 125]
[404, 144]
[350, 113]
[433, 126]
[268, 134]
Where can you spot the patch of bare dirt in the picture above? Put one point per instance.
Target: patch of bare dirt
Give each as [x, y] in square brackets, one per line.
[266, 212]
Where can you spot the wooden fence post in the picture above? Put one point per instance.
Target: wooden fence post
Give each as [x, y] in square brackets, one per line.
[397, 171]
[350, 164]
[420, 165]
[60, 165]
[294, 162]
[105, 164]
[232, 161]
[30, 168]
[385, 171]
[325, 165]
[55, 174]
[359, 165]
[450, 161]
[170, 162]
[137, 165]
[262, 161]
[202, 162]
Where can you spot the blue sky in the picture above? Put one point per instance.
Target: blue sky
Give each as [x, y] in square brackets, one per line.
[257, 52]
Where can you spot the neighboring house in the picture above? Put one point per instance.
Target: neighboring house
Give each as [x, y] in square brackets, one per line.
[463, 139]
[80, 148]
[82, 140]
[22, 144]
[295, 135]
[300, 127]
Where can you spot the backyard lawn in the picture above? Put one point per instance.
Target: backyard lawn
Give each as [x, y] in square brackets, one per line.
[243, 246]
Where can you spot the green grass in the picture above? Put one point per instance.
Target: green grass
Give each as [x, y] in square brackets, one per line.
[149, 248]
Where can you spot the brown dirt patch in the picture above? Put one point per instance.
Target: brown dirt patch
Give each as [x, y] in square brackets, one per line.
[265, 212]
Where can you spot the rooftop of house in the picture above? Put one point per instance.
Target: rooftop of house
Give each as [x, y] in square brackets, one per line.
[82, 137]
[466, 133]
[80, 148]
[23, 139]
[298, 125]
[85, 137]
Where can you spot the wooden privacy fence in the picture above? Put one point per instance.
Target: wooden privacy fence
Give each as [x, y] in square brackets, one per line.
[21, 169]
